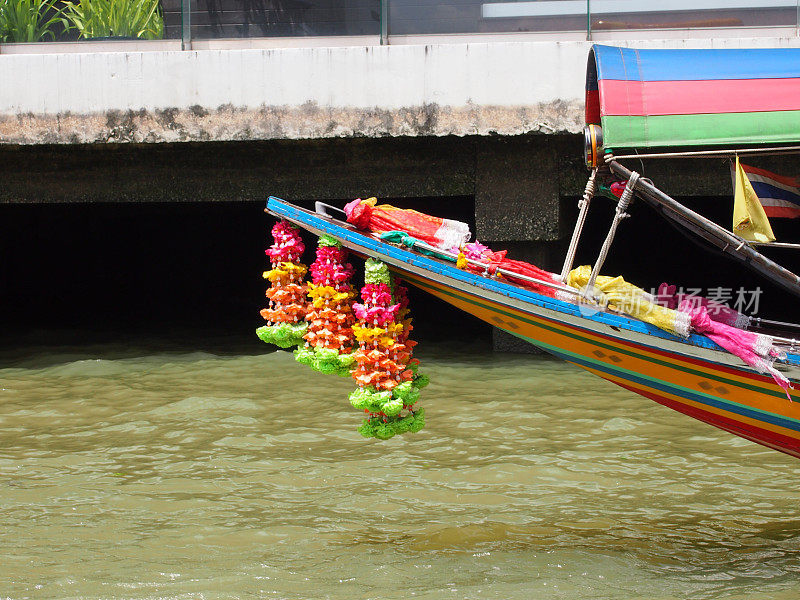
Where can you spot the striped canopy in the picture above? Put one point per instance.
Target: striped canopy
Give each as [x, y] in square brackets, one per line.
[658, 98]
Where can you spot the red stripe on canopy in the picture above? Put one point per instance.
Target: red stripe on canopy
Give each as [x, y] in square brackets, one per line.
[593, 106]
[626, 98]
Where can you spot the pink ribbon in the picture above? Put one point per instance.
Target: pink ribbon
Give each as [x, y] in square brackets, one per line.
[754, 349]
[668, 297]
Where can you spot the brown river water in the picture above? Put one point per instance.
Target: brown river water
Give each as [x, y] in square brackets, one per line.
[152, 474]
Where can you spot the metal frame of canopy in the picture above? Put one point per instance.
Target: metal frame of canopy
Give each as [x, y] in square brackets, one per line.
[725, 241]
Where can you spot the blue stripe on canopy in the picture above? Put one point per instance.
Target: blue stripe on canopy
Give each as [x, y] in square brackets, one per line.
[628, 64]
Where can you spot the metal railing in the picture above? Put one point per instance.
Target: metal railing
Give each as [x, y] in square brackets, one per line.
[188, 21]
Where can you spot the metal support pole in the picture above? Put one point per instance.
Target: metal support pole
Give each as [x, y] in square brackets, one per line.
[619, 214]
[186, 24]
[583, 205]
[384, 22]
[588, 20]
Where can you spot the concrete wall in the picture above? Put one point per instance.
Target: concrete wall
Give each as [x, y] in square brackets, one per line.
[506, 88]
[292, 93]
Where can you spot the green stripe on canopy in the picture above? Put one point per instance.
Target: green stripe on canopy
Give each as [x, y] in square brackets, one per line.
[700, 130]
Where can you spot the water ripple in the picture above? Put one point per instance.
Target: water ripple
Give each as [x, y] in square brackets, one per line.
[196, 476]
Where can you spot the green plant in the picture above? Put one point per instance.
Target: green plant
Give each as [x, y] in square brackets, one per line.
[27, 20]
[115, 18]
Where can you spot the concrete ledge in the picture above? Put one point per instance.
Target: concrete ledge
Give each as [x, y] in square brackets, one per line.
[106, 46]
[617, 37]
[311, 41]
[228, 123]
[292, 93]
[387, 77]
[89, 46]
[614, 37]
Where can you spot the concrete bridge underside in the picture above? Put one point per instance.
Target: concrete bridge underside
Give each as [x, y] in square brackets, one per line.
[522, 189]
[520, 183]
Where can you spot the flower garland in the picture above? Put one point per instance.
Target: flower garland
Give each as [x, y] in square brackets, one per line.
[329, 338]
[387, 377]
[287, 305]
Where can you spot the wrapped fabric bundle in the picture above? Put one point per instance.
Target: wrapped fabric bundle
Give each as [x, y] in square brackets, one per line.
[329, 338]
[632, 300]
[668, 296]
[479, 252]
[386, 375]
[368, 215]
[754, 349]
[287, 308]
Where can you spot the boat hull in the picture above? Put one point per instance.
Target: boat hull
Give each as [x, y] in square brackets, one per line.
[743, 403]
[694, 376]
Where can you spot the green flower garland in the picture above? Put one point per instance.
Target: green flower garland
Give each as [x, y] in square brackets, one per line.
[383, 430]
[283, 335]
[325, 360]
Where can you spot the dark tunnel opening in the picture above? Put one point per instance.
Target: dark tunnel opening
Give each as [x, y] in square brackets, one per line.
[186, 275]
[189, 274]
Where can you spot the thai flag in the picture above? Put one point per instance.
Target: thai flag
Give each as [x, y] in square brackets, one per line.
[779, 195]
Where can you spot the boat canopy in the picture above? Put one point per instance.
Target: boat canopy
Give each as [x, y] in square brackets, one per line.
[721, 97]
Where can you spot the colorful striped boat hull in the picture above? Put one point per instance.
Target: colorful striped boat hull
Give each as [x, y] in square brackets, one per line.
[694, 376]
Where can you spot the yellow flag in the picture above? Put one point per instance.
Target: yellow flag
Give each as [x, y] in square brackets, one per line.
[750, 222]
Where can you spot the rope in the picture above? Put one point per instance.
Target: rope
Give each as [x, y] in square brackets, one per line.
[583, 205]
[399, 237]
[619, 214]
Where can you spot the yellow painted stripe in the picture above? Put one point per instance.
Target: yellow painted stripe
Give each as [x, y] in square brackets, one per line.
[519, 314]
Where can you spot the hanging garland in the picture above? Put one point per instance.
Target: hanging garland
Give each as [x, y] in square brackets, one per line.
[329, 338]
[387, 376]
[287, 304]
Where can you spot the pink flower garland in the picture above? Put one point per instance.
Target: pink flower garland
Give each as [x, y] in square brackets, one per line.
[288, 246]
[376, 315]
[330, 268]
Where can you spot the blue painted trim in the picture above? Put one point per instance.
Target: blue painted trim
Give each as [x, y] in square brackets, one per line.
[628, 64]
[283, 208]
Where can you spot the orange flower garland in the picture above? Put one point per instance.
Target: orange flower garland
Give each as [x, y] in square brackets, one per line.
[287, 305]
[388, 383]
[329, 339]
